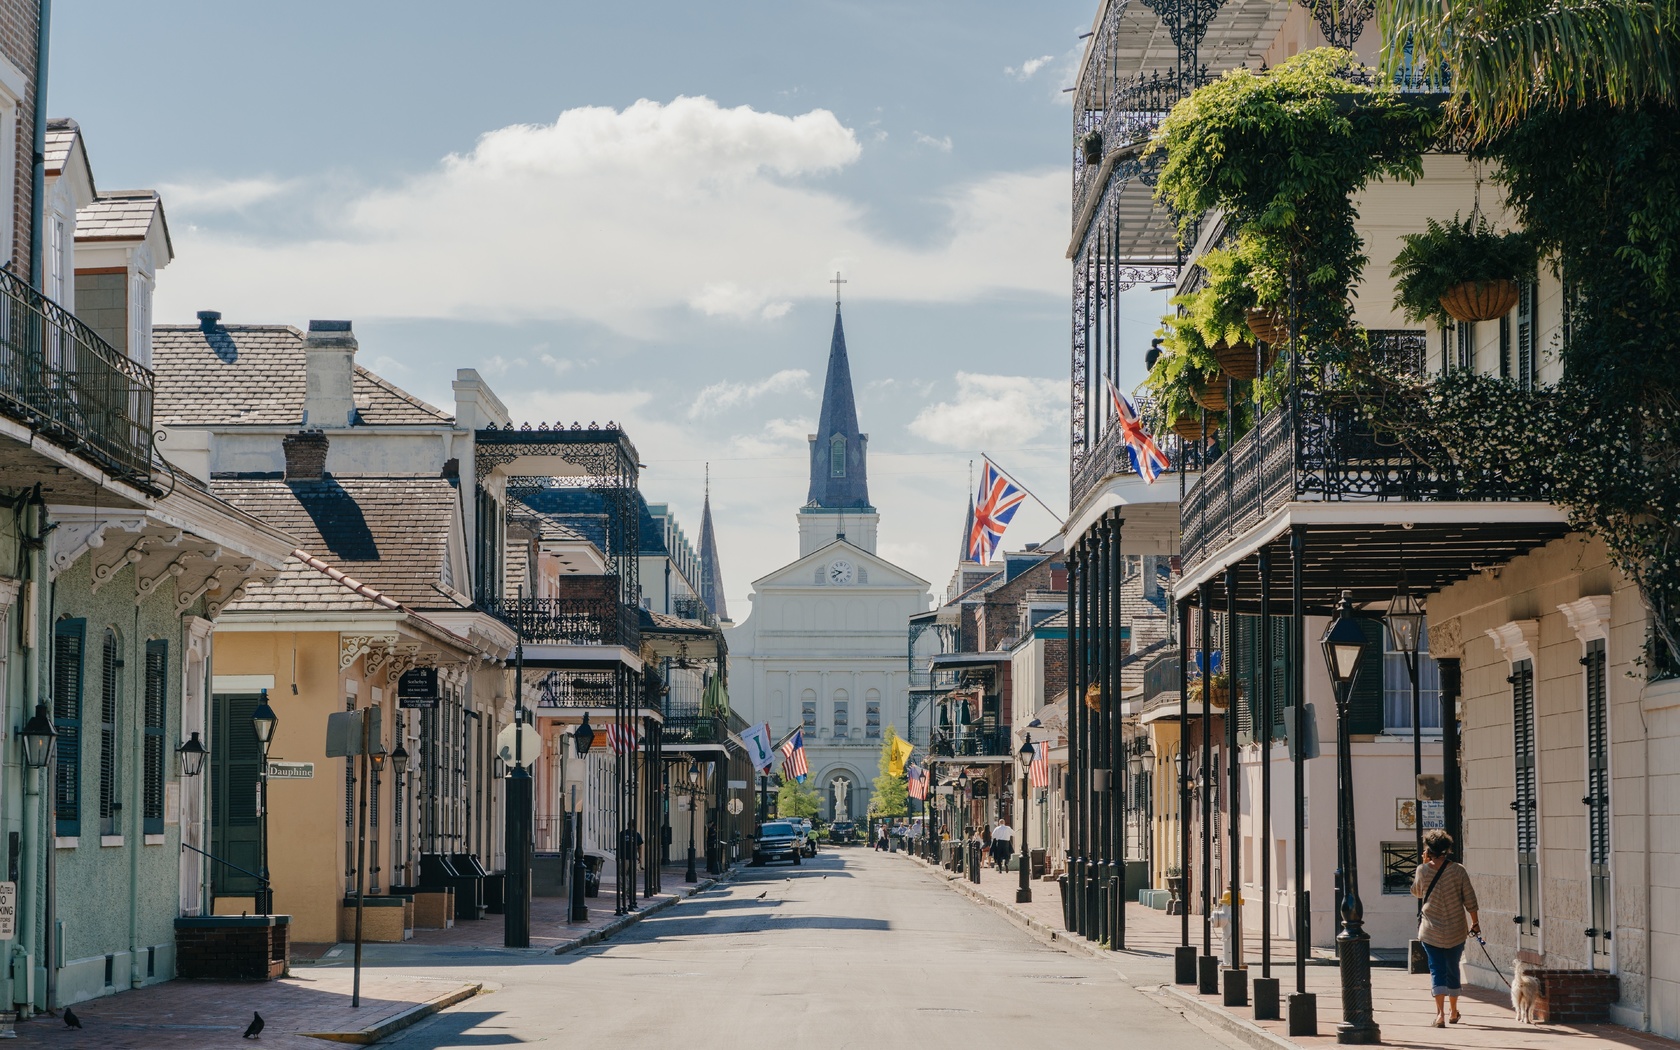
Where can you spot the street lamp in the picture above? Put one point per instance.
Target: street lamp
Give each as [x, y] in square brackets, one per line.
[1344, 646]
[264, 722]
[192, 756]
[38, 737]
[693, 803]
[584, 736]
[1142, 766]
[1023, 892]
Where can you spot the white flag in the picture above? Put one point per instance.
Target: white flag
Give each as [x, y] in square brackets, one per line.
[757, 739]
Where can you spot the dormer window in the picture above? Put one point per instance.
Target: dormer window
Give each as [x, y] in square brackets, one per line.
[837, 457]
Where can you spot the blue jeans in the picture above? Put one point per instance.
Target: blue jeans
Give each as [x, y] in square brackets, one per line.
[1443, 968]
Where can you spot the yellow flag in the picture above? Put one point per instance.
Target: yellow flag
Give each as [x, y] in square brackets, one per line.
[901, 749]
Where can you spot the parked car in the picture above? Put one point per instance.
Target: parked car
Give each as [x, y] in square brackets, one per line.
[842, 832]
[777, 840]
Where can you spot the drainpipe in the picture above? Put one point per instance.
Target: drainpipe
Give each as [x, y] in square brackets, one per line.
[136, 841]
[38, 180]
[26, 950]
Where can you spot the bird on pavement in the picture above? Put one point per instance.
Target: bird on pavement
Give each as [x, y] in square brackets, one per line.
[70, 1018]
[255, 1028]
[761, 896]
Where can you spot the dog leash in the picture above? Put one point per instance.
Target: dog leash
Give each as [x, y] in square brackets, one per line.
[1490, 959]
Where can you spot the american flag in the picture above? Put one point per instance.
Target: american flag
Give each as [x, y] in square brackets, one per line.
[1147, 460]
[1038, 773]
[996, 504]
[917, 780]
[622, 738]
[794, 764]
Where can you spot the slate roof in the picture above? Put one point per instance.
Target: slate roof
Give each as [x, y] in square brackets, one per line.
[61, 136]
[389, 533]
[256, 374]
[121, 216]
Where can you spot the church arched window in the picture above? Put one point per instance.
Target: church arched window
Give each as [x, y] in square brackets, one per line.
[837, 456]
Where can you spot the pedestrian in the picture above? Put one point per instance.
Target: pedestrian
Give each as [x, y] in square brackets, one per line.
[1448, 897]
[1003, 843]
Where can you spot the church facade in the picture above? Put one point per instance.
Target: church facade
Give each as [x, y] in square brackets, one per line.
[823, 649]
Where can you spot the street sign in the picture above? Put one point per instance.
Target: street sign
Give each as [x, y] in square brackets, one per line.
[278, 770]
[417, 690]
[735, 807]
[739, 785]
[519, 744]
[344, 731]
[8, 910]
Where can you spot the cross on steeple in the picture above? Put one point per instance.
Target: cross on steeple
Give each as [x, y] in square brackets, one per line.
[837, 282]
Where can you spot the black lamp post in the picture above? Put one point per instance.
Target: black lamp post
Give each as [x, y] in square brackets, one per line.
[1023, 893]
[693, 804]
[1344, 646]
[399, 771]
[38, 738]
[264, 722]
[192, 754]
[1142, 766]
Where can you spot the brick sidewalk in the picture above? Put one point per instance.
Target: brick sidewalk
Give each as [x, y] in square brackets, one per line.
[1404, 1008]
[187, 1015]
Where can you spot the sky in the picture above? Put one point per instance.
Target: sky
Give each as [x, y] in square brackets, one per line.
[631, 212]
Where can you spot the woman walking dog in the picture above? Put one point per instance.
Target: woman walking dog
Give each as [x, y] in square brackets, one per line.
[1448, 897]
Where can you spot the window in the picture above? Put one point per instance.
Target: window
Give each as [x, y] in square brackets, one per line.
[1400, 861]
[110, 809]
[837, 457]
[808, 713]
[872, 717]
[68, 639]
[57, 262]
[156, 702]
[1397, 688]
[1527, 293]
[140, 319]
[841, 720]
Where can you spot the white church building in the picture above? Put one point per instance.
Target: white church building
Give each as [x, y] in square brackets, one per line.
[824, 645]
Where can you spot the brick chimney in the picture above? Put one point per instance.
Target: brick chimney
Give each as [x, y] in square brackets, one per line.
[329, 355]
[306, 455]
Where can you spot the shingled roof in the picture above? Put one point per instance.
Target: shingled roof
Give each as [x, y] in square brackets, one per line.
[391, 533]
[257, 375]
[61, 137]
[121, 216]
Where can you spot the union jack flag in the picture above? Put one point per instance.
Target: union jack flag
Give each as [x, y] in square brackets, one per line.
[1147, 460]
[1038, 773]
[917, 780]
[794, 764]
[996, 504]
[622, 738]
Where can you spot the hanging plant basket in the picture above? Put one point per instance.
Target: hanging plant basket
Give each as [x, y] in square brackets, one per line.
[1480, 300]
[1219, 696]
[1267, 327]
[1236, 360]
[1188, 427]
[1210, 396]
[1091, 142]
[1093, 697]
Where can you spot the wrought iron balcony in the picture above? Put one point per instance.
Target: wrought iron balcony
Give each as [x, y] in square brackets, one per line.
[63, 381]
[1324, 450]
[691, 608]
[594, 690]
[1122, 112]
[569, 621]
[970, 743]
[692, 728]
[1109, 455]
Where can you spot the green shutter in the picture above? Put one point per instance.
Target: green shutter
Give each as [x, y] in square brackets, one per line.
[1243, 678]
[1283, 656]
[1365, 709]
[157, 703]
[68, 638]
[110, 665]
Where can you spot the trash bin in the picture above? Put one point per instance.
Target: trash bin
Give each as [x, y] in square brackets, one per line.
[593, 863]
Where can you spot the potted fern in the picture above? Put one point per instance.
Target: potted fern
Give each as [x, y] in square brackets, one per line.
[1460, 270]
[1182, 376]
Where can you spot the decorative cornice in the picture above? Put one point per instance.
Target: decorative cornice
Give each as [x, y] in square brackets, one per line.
[1446, 638]
[1515, 639]
[1588, 617]
[351, 647]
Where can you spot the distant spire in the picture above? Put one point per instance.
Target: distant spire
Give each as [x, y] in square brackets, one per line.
[711, 574]
[839, 474]
[965, 552]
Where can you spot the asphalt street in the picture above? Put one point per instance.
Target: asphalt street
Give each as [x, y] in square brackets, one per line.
[852, 949]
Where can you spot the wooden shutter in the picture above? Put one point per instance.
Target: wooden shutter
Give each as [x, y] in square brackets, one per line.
[1526, 295]
[1243, 678]
[68, 639]
[1526, 805]
[1283, 663]
[110, 666]
[1598, 802]
[156, 705]
[236, 760]
[1365, 707]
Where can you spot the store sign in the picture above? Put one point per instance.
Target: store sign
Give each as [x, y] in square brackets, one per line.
[417, 690]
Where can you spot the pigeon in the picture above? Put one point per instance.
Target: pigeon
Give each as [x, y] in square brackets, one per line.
[255, 1028]
[70, 1019]
[761, 896]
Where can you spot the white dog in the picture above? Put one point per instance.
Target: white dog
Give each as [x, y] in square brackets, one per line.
[1525, 993]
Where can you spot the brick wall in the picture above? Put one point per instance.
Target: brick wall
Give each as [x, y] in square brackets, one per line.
[231, 951]
[1055, 667]
[18, 29]
[1577, 996]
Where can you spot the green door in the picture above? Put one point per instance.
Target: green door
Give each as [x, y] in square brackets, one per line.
[234, 765]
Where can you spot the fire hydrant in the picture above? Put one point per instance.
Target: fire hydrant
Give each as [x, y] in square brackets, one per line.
[1220, 918]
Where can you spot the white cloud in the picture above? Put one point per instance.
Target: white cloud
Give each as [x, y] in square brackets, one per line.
[721, 397]
[613, 216]
[942, 144]
[1027, 69]
[994, 410]
[221, 195]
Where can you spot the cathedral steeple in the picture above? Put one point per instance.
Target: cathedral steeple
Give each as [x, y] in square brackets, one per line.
[839, 477]
[711, 573]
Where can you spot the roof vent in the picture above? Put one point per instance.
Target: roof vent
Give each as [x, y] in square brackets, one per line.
[306, 455]
[208, 320]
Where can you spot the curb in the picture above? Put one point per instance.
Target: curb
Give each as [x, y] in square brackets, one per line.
[625, 921]
[1217, 1017]
[409, 1017]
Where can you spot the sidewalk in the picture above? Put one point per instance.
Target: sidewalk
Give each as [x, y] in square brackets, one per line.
[1404, 1009]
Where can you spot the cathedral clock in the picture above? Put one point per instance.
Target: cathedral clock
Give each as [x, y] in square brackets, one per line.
[840, 572]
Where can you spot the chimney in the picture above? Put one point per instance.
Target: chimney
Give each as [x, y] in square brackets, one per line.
[306, 455]
[329, 354]
[208, 320]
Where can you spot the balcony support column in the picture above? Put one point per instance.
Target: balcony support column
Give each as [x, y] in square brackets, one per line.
[1103, 880]
[1207, 967]
[1117, 742]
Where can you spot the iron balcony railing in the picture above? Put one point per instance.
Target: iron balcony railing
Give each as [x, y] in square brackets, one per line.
[1323, 451]
[690, 728]
[1121, 112]
[63, 381]
[620, 687]
[970, 743]
[1109, 454]
[569, 621]
[691, 608]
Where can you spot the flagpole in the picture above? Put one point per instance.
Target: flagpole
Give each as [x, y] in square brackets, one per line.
[1059, 519]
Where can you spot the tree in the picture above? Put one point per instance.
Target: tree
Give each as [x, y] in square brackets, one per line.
[797, 800]
[892, 792]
